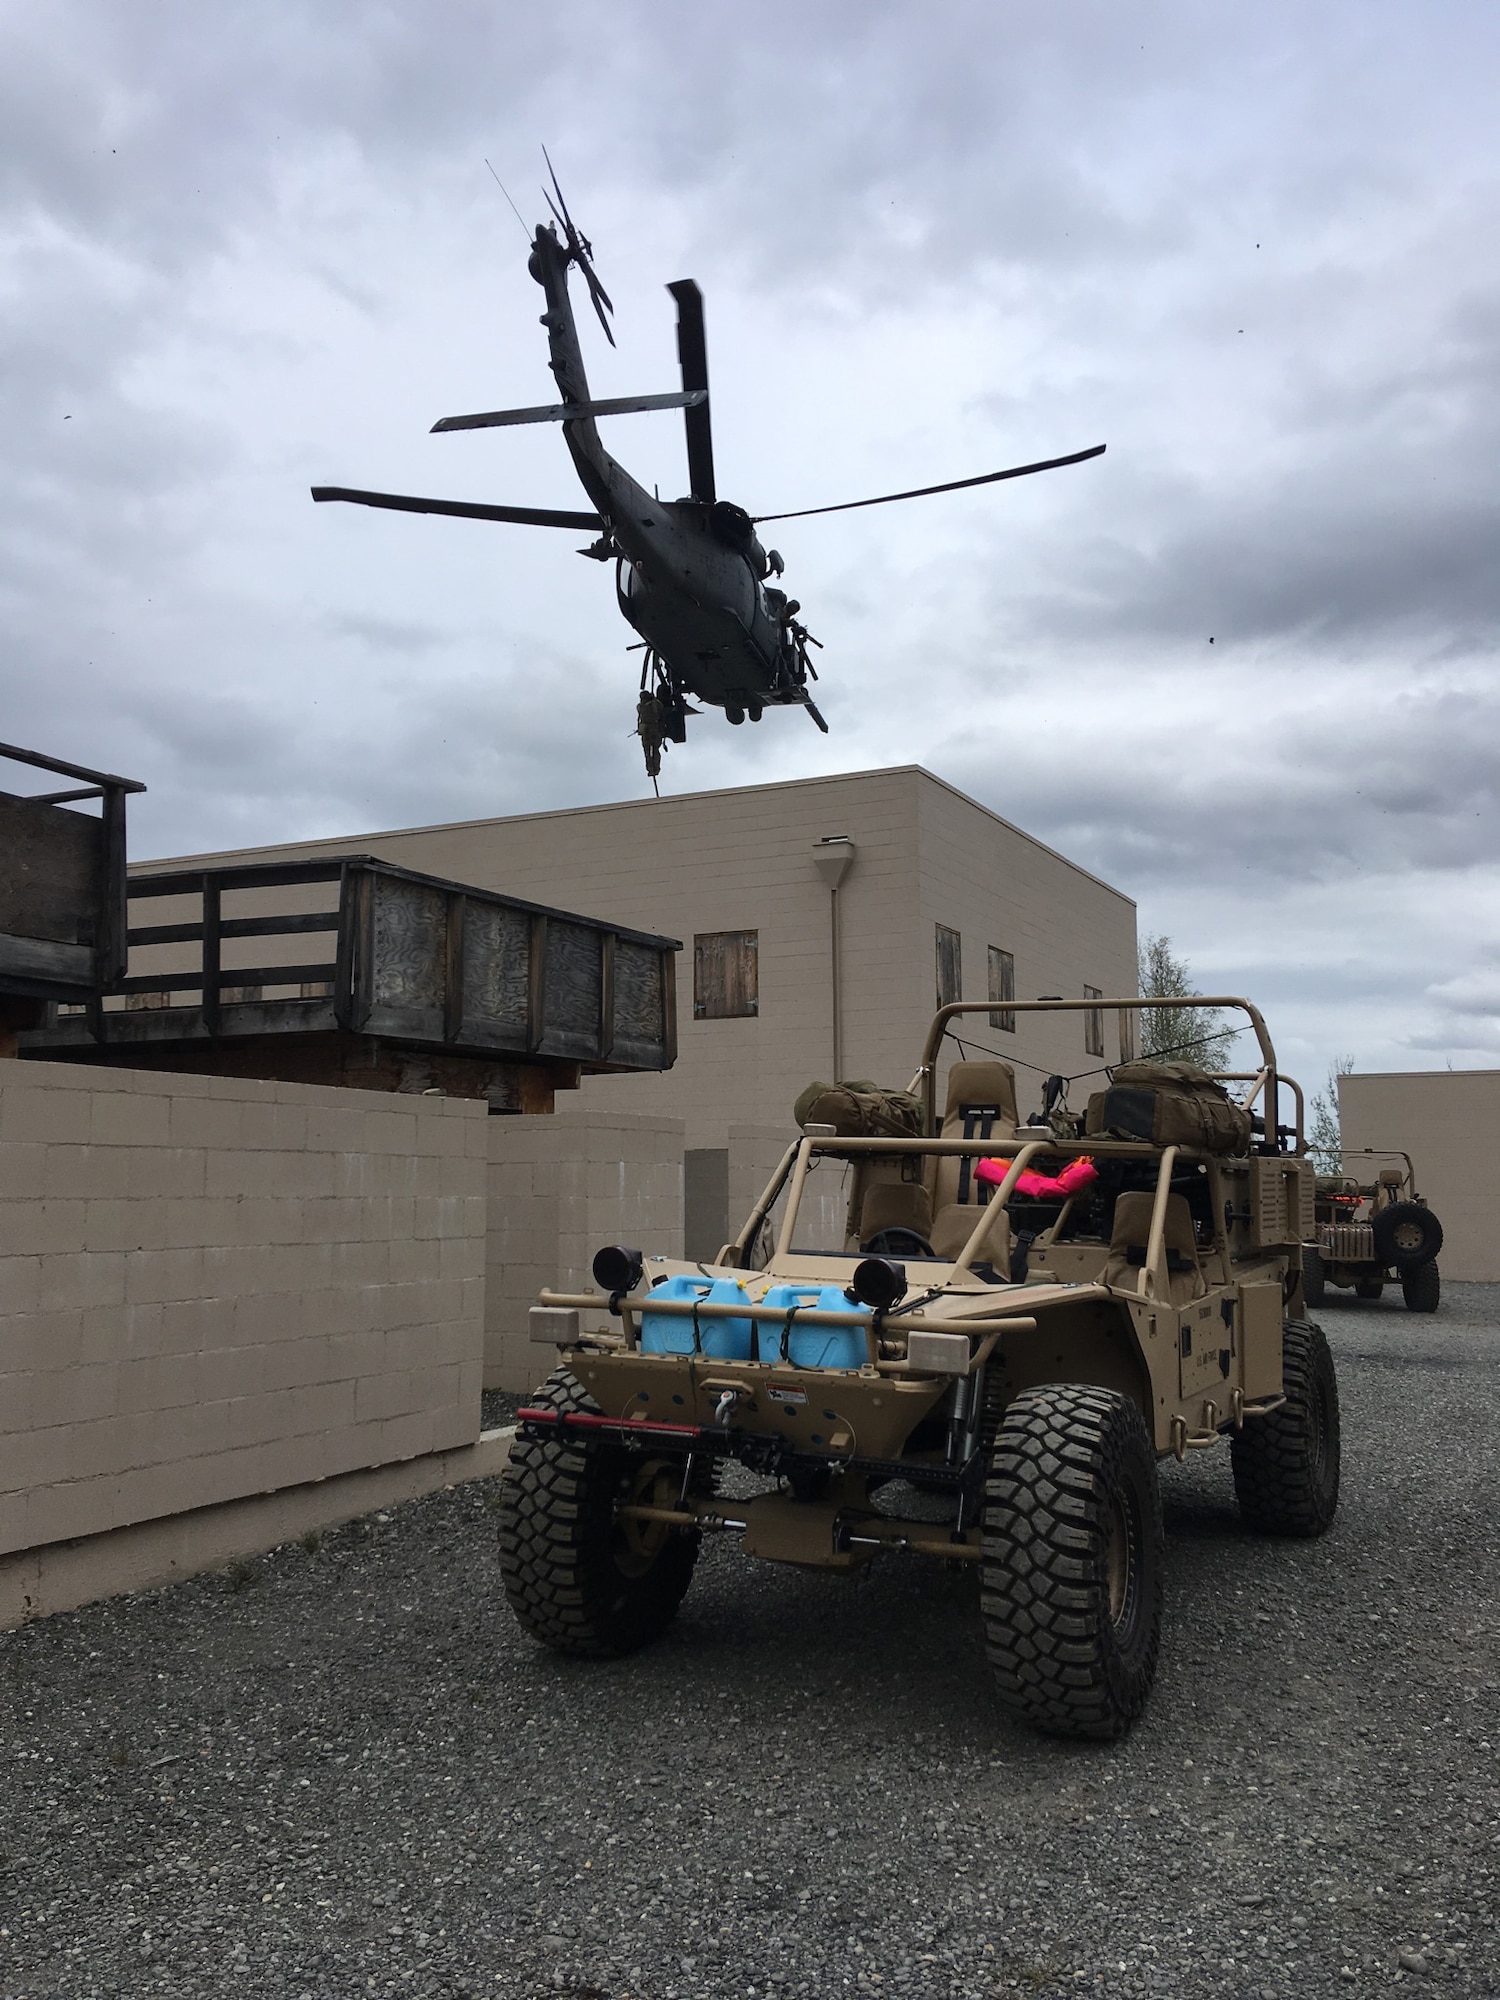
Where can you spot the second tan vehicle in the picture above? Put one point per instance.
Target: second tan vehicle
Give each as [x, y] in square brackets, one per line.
[988, 1370]
[1373, 1229]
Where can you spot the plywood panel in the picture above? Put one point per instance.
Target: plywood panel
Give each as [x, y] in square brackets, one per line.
[50, 886]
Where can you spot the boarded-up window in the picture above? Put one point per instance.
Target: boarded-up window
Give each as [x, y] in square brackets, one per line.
[1093, 1023]
[950, 966]
[726, 982]
[1003, 987]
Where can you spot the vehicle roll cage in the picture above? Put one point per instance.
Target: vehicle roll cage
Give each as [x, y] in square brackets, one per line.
[1265, 1079]
[796, 1163]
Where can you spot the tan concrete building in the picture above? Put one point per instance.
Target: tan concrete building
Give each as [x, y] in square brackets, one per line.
[822, 920]
[1449, 1121]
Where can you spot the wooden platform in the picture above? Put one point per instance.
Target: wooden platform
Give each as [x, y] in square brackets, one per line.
[358, 972]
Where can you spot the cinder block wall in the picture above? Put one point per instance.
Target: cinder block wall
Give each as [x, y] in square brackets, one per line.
[211, 1288]
[560, 1187]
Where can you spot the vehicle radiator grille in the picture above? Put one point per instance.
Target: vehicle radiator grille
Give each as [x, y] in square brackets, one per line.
[1352, 1242]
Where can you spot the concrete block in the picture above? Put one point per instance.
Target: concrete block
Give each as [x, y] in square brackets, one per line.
[235, 1374]
[391, 1132]
[22, 1169]
[73, 1281]
[159, 1382]
[129, 1118]
[377, 1397]
[209, 1124]
[39, 1340]
[273, 1127]
[54, 1117]
[122, 1223]
[67, 1396]
[153, 1277]
[30, 1228]
[333, 1129]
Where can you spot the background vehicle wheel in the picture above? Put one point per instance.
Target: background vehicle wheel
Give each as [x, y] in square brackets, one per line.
[1314, 1278]
[1422, 1288]
[580, 1579]
[1286, 1465]
[1071, 1575]
[1406, 1235]
[1368, 1288]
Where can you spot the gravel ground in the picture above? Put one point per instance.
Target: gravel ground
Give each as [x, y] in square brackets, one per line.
[341, 1769]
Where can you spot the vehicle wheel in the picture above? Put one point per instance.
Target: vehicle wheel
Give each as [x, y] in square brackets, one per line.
[1406, 1235]
[1368, 1288]
[1422, 1288]
[578, 1578]
[1071, 1572]
[1314, 1278]
[1286, 1464]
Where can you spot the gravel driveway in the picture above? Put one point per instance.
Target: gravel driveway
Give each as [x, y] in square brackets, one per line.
[342, 1770]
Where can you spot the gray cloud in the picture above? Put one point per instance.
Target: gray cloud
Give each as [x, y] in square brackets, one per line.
[246, 250]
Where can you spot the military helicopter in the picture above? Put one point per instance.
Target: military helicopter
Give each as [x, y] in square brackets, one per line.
[691, 575]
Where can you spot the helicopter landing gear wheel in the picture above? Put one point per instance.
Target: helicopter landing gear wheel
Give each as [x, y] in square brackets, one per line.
[735, 715]
[754, 711]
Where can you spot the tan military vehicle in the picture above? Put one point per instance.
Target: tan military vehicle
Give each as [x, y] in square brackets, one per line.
[988, 1369]
[1373, 1231]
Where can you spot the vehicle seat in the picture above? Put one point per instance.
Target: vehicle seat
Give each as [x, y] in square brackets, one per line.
[1132, 1234]
[895, 1205]
[981, 1104]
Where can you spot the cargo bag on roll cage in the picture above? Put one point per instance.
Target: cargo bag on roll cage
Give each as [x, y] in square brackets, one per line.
[860, 1110]
[1169, 1104]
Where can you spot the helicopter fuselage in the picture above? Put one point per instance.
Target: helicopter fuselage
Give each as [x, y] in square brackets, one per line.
[691, 577]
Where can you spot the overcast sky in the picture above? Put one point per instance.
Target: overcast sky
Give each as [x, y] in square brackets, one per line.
[1243, 666]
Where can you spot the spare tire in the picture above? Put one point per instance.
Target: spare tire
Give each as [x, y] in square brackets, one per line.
[1406, 1234]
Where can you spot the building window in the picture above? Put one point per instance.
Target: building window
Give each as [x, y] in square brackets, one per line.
[726, 982]
[1003, 987]
[950, 966]
[1093, 1023]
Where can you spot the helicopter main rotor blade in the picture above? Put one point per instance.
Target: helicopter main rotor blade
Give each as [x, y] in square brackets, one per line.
[949, 486]
[692, 354]
[562, 413]
[467, 510]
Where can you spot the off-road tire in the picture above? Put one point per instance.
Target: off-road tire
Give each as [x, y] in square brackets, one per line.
[576, 1576]
[1422, 1288]
[1406, 1235]
[1286, 1464]
[1368, 1288]
[1071, 1571]
[1314, 1278]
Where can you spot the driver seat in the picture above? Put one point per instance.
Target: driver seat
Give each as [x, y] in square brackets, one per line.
[981, 1104]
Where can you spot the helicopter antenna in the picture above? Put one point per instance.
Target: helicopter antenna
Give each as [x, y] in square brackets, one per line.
[513, 209]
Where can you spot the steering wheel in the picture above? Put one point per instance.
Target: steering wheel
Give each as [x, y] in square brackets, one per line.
[897, 1243]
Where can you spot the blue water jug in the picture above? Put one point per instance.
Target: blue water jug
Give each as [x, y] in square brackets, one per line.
[811, 1346]
[769, 1332]
[672, 1333]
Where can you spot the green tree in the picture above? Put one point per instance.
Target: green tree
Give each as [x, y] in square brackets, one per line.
[1325, 1136]
[1178, 1034]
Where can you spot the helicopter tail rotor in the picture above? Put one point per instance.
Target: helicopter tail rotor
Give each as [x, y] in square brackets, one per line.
[580, 250]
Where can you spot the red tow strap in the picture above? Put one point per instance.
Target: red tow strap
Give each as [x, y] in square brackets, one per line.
[585, 1420]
